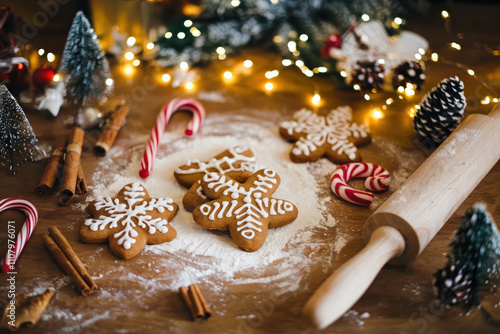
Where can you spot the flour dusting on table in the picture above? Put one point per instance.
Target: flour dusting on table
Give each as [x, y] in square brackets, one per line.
[213, 254]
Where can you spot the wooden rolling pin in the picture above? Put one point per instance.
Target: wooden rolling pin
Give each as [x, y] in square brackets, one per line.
[401, 228]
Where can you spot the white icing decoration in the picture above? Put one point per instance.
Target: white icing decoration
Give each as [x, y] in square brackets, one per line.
[255, 206]
[334, 129]
[121, 214]
[224, 164]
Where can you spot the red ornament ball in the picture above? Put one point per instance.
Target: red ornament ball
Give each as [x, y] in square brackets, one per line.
[333, 41]
[42, 76]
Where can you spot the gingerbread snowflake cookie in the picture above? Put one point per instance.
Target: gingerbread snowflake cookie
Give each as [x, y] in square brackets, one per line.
[130, 221]
[237, 162]
[247, 210]
[333, 136]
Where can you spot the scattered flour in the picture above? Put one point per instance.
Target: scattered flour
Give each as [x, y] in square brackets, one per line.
[213, 254]
[280, 267]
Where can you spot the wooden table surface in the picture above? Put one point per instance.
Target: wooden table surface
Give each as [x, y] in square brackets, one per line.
[400, 300]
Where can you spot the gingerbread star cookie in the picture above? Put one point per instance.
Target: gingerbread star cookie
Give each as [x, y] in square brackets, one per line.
[333, 136]
[237, 162]
[130, 221]
[247, 210]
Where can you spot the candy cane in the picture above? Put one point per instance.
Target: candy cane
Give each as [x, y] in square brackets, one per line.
[378, 179]
[161, 123]
[24, 234]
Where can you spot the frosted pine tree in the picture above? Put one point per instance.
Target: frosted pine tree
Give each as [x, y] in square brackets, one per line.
[473, 262]
[18, 143]
[84, 65]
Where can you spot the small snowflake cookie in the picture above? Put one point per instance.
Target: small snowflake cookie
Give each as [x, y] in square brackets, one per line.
[333, 136]
[247, 210]
[237, 162]
[130, 221]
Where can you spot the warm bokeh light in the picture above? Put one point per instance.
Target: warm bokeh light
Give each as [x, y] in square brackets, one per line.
[269, 86]
[50, 57]
[56, 78]
[228, 75]
[131, 41]
[128, 70]
[189, 85]
[486, 100]
[456, 46]
[365, 17]
[471, 71]
[165, 77]
[129, 55]
[195, 32]
[150, 46]
[248, 63]
[316, 100]
[109, 82]
[377, 114]
[184, 66]
[41, 52]
[136, 62]
[434, 57]
[367, 97]
[445, 14]
[286, 62]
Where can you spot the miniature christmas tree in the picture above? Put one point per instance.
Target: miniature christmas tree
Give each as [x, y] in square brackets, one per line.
[441, 110]
[18, 143]
[473, 262]
[84, 65]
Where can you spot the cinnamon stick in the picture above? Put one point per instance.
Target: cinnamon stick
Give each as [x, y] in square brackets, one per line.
[109, 134]
[27, 309]
[71, 165]
[198, 308]
[52, 169]
[187, 300]
[64, 245]
[66, 265]
[195, 302]
[81, 183]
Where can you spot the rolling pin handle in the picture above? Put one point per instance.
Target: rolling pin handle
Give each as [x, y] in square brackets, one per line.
[348, 283]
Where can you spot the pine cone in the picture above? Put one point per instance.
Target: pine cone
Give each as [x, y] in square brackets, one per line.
[441, 110]
[451, 286]
[408, 72]
[369, 75]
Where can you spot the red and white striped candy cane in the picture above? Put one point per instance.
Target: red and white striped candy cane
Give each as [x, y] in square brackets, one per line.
[378, 179]
[161, 123]
[24, 234]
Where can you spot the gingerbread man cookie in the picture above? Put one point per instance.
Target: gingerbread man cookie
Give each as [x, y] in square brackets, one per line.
[130, 221]
[247, 210]
[237, 162]
[333, 136]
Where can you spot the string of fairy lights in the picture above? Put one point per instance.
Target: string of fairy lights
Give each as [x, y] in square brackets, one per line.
[187, 78]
